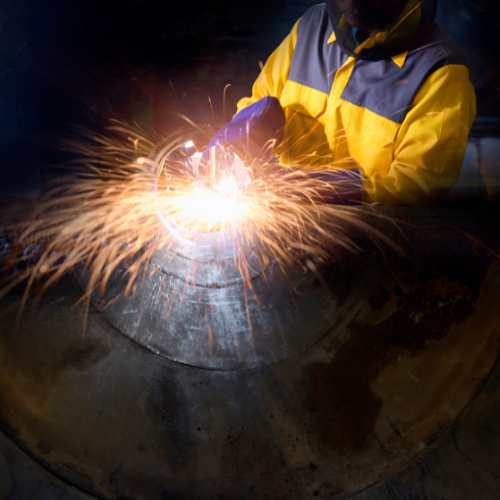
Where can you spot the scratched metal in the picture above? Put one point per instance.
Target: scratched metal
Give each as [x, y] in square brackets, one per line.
[240, 313]
[118, 421]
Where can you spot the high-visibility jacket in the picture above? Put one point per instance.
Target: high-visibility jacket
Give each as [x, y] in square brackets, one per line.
[403, 121]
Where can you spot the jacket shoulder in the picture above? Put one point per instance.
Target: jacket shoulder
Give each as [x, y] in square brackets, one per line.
[314, 61]
[388, 90]
[313, 16]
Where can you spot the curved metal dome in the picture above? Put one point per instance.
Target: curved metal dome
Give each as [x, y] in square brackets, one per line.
[361, 393]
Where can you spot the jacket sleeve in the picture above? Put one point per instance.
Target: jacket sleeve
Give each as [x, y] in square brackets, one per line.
[273, 77]
[430, 145]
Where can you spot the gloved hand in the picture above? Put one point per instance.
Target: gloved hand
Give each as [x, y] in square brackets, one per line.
[341, 187]
[347, 186]
[254, 126]
[249, 130]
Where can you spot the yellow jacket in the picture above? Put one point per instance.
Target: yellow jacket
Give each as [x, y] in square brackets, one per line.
[403, 121]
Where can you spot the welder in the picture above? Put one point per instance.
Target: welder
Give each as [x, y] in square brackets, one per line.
[372, 86]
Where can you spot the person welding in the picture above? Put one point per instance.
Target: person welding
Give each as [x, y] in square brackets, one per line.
[368, 86]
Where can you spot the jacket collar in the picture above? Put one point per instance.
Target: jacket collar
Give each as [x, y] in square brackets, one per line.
[399, 59]
[393, 41]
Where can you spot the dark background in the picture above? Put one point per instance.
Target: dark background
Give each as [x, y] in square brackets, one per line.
[70, 63]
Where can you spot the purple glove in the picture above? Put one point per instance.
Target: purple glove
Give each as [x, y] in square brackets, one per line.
[344, 187]
[348, 186]
[254, 126]
[251, 129]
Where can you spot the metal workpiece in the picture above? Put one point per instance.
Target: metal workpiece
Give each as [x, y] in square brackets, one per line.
[378, 380]
[397, 348]
[213, 300]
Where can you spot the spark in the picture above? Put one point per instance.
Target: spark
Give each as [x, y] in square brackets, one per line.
[111, 210]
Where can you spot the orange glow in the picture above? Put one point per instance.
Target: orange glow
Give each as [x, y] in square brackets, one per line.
[113, 207]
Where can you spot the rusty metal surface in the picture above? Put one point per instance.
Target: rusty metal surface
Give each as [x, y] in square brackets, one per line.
[463, 464]
[115, 420]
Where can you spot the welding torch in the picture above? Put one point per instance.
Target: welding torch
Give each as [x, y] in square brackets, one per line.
[245, 136]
